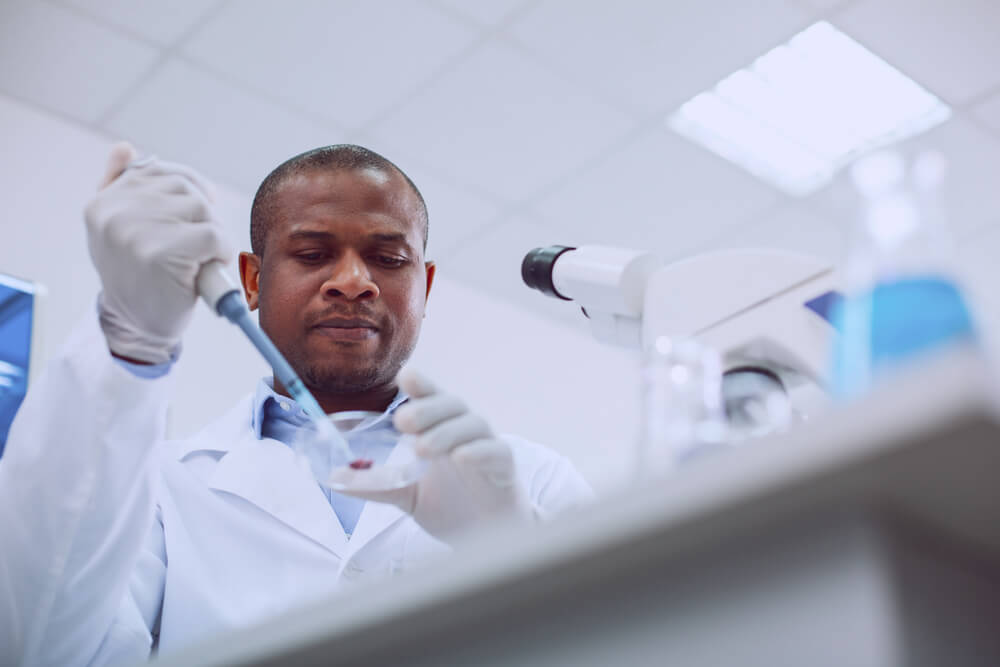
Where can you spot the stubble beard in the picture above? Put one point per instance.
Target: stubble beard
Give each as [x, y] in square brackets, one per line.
[327, 378]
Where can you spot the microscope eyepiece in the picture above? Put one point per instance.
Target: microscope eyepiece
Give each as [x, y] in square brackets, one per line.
[536, 269]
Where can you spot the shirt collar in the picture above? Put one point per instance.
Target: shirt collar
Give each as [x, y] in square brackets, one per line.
[265, 396]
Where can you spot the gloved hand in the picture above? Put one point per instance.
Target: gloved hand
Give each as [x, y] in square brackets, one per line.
[149, 229]
[471, 475]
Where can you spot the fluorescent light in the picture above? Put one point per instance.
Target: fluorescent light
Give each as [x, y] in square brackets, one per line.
[806, 108]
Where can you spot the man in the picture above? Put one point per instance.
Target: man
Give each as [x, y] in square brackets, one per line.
[125, 546]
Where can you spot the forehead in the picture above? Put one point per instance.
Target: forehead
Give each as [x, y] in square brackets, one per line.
[328, 196]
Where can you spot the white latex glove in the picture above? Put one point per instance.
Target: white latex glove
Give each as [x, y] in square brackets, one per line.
[471, 475]
[149, 229]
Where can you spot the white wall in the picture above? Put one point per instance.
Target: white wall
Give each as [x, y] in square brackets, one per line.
[530, 376]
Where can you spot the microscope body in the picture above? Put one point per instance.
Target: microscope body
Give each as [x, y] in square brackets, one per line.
[764, 310]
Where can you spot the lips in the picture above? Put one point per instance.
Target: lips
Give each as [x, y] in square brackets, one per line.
[346, 328]
[346, 323]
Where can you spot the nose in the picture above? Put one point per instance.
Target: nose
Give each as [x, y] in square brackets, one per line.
[351, 279]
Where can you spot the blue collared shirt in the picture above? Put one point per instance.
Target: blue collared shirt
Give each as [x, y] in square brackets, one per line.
[279, 417]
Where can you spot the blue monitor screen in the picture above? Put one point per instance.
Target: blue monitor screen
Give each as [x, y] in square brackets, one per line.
[17, 304]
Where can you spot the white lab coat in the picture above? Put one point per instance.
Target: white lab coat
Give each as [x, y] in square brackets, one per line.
[111, 535]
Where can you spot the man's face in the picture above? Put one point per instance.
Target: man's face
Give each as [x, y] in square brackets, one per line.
[342, 284]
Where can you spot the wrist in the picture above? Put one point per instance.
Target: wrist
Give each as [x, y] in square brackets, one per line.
[127, 342]
[130, 360]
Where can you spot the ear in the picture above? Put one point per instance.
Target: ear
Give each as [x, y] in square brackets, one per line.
[250, 277]
[431, 269]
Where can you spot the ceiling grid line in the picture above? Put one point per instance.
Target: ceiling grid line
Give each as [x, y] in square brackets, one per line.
[616, 101]
[265, 95]
[598, 95]
[978, 99]
[485, 35]
[166, 52]
[87, 15]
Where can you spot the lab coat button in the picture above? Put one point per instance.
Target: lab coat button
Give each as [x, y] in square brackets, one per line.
[285, 406]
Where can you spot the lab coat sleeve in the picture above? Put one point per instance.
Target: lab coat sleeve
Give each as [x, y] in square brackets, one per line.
[77, 500]
[131, 636]
[554, 485]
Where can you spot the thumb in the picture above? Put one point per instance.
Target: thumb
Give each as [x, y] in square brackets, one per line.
[414, 383]
[122, 153]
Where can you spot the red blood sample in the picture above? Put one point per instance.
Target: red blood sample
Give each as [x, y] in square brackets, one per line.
[361, 464]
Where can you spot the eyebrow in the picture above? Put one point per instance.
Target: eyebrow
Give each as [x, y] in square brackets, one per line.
[382, 237]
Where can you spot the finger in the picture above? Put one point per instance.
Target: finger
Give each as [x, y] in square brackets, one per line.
[451, 433]
[159, 167]
[491, 456]
[414, 383]
[183, 207]
[418, 415]
[122, 153]
[200, 243]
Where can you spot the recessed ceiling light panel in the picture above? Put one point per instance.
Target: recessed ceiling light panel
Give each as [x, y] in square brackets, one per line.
[806, 108]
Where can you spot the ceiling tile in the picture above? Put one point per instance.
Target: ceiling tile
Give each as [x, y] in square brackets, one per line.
[978, 266]
[979, 253]
[824, 5]
[190, 116]
[652, 56]
[485, 12]
[63, 62]
[987, 112]
[789, 227]
[455, 214]
[44, 238]
[346, 61]
[501, 124]
[970, 196]
[660, 193]
[233, 209]
[950, 47]
[160, 22]
[492, 262]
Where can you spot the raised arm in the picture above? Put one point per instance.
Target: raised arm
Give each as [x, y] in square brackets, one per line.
[78, 566]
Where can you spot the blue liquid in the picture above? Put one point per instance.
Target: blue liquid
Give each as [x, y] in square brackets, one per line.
[893, 323]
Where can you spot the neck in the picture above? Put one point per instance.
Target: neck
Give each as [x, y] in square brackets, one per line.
[376, 399]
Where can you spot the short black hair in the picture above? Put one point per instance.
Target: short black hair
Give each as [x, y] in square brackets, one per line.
[332, 158]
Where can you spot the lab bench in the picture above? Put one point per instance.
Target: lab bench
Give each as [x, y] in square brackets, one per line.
[869, 536]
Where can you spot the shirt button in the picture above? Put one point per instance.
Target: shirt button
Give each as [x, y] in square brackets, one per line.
[285, 406]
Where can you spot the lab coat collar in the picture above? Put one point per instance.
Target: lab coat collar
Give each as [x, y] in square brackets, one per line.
[266, 394]
[265, 473]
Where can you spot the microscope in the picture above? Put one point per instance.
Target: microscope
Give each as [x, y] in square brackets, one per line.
[765, 311]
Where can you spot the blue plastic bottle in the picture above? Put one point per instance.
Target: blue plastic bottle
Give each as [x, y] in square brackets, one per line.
[903, 299]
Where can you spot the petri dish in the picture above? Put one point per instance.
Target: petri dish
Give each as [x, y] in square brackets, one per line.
[381, 458]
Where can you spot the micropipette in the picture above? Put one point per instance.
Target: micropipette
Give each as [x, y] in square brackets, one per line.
[223, 297]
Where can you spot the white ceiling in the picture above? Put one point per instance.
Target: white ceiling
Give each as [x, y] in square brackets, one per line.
[525, 122]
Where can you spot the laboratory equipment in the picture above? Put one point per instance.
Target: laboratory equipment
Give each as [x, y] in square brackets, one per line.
[379, 458]
[903, 298]
[682, 411]
[20, 344]
[766, 311]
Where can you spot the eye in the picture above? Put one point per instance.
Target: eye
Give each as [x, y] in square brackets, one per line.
[310, 257]
[389, 261]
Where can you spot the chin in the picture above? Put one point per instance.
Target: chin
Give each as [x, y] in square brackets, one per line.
[340, 380]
